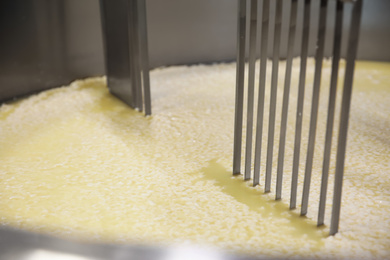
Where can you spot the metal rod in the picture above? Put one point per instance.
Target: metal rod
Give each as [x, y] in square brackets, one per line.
[262, 79]
[286, 94]
[331, 110]
[144, 56]
[238, 116]
[274, 89]
[251, 87]
[116, 49]
[345, 107]
[314, 105]
[301, 95]
[134, 42]
[133, 55]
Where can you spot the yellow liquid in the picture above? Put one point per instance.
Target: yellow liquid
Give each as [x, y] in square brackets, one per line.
[78, 163]
[257, 201]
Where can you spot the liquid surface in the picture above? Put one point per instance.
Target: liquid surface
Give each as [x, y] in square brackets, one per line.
[76, 162]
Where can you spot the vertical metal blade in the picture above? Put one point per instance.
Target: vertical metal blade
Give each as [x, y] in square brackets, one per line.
[345, 107]
[331, 110]
[144, 56]
[274, 88]
[314, 105]
[301, 94]
[135, 53]
[241, 34]
[262, 78]
[251, 88]
[116, 46]
[286, 94]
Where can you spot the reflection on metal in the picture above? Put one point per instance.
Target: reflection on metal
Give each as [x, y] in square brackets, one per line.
[21, 245]
[40, 254]
[47, 43]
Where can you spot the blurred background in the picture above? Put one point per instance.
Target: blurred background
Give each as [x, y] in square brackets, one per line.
[48, 43]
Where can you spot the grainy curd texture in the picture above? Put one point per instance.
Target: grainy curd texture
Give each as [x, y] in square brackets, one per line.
[78, 163]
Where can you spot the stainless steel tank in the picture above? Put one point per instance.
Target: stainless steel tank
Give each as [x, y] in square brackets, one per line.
[48, 43]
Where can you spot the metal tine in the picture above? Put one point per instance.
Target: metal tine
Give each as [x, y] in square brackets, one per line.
[116, 46]
[262, 79]
[286, 94]
[345, 107]
[143, 35]
[251, 87]
[314, 105]
[331, 109]
[238, 116]
[274, 88]
[135, 53]
[301, 94]
[132, 54]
